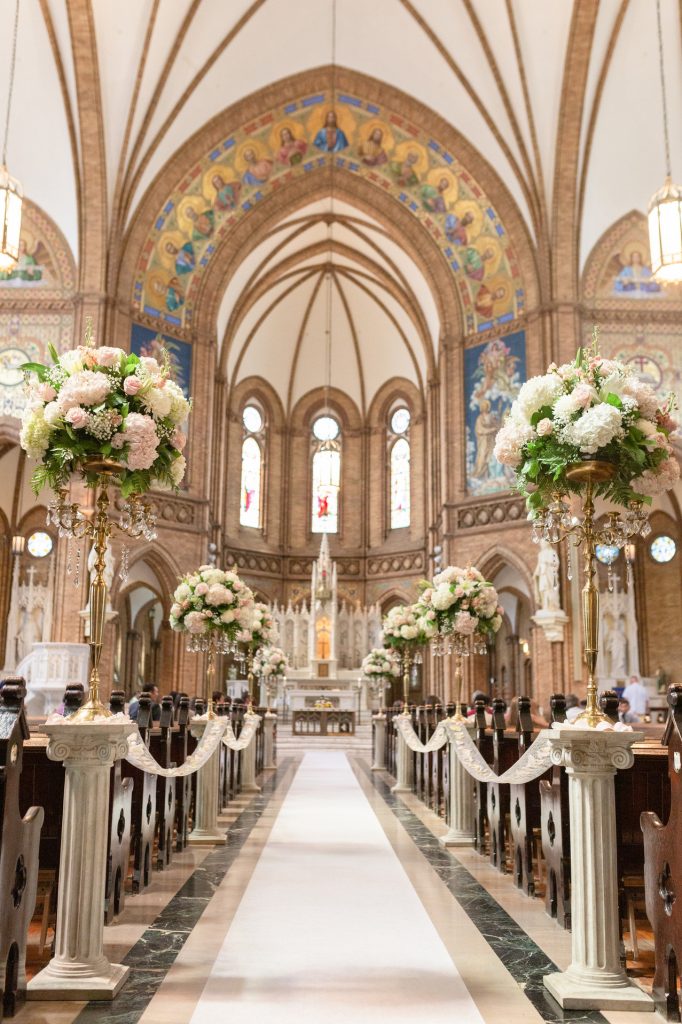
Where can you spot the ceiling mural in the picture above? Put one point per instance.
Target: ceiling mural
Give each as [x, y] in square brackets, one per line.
[619, 266]
[44, 264]
[361, 138]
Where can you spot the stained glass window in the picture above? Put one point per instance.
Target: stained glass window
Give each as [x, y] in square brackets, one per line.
[663, 549]
[39, 544]
[400, 421]
[326, 472]
[250, 507]
[400, 484]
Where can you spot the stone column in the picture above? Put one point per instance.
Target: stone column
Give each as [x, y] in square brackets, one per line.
[79, 969]
[249, 767]
[270, 720]
[404, 782]
[206, 831]
[460, 801]
[595, 979]
[379, 764]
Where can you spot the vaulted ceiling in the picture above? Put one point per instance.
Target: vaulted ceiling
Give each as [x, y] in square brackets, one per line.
[111, 91]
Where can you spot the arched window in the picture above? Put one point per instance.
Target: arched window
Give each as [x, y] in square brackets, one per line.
[399, 468]
[251, 501]
[326, 473]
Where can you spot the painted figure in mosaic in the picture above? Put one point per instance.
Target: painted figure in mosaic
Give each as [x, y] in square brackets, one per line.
[226, 192]
[174, 296]
[433, 196]
[486, 299]
[456, 227]
[372, 151]
[330, 137]
[202, 223]
[474, 262]
[258, 170]
[185, 261]
[404, 172]
[635, 276]
[292, 149]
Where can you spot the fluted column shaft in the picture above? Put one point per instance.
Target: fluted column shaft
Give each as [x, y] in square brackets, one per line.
[460, 801]
[205, 831]
[404, 781]
[269, 721]
[379, 752]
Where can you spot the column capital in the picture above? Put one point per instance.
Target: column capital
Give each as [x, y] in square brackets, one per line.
[585, 751]
[89, 744]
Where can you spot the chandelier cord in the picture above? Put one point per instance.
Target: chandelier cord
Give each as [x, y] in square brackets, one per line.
[330, 236]
[12, 66]
[661, 66]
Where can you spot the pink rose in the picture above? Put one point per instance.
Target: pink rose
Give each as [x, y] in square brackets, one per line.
[132, 384]
[201, 589]
[545, 427]
[108, 355]
[583, 395]
[178, 439]
[77, 417]
[46, 391]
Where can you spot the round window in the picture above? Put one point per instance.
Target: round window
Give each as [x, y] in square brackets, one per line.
[39, 544]
[325, 428]
[400, 421]
[607, 553]
[663, 549]
[252, 419]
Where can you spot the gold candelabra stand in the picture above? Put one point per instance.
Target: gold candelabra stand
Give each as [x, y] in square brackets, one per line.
[410, 654]
[461, 646]
[136, 520]
[211, 643]
[556, 523]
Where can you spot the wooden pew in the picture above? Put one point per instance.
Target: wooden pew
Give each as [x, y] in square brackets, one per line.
[554, 818]
[663, 871]
[160, 749]
[143, 806]
[484, 742]
[120, 818]
[183, 788]
[505, 753]
[524, 802]
[19, 849]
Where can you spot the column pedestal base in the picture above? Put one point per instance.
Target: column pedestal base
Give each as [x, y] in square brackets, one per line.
[453, 838]
[206, 839]
[51, 985]
[575, 995]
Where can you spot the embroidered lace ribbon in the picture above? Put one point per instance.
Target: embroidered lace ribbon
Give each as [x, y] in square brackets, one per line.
[534, 762]
[139, 755]
[249, 730]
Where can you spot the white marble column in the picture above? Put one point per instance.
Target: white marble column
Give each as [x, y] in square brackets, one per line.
[379, 764]
[79, 969]
[249, 767]
[205, 831]
[404, 756]
[595, 979]
[460, 800]
[269, 722]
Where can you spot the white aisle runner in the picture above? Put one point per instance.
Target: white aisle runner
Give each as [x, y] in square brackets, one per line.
[330, 928]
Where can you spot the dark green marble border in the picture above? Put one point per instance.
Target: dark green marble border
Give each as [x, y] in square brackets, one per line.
[155, 952]
[522, 957]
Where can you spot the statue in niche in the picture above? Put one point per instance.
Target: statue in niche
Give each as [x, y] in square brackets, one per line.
[323, 646]
[616, 646]
[545, 578]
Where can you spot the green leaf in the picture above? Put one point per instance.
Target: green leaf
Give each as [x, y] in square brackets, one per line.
[578, 358]
[53, 352]
[545, 413]
[614, 400]
[37, 368]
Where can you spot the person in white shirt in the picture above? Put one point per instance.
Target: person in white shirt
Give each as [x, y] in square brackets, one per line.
[636, 696]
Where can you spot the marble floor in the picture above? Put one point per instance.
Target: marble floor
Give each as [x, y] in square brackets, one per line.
[332, 901]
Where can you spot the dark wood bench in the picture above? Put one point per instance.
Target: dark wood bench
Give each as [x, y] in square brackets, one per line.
[19, 849]
[183, 788]
[143, 811]
[525, 811]
[556, 846]
[505, 754]
[120, 819]
[160, 747]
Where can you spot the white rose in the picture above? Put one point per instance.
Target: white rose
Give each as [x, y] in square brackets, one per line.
[443, 598]
[182, 592]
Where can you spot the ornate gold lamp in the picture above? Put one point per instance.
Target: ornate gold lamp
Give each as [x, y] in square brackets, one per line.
[136, 520]
[556, 523]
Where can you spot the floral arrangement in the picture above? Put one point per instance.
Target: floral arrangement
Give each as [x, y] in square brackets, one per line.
[211, 599]
[406, 625]
[262, 629]
[104, 403]
[592, 408]
[461, 601]
[382, 662]
[270, 661]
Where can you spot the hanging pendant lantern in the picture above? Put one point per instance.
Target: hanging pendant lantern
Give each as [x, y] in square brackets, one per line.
[11, 198]
[665, 232]
[11, 195]
[665, 207]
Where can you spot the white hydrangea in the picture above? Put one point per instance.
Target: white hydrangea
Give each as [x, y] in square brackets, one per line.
[179, 406]
[536, 393]
[35, 433]
[595, 428]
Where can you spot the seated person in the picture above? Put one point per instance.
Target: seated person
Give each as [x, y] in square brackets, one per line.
[625, 714]
[153, 691]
